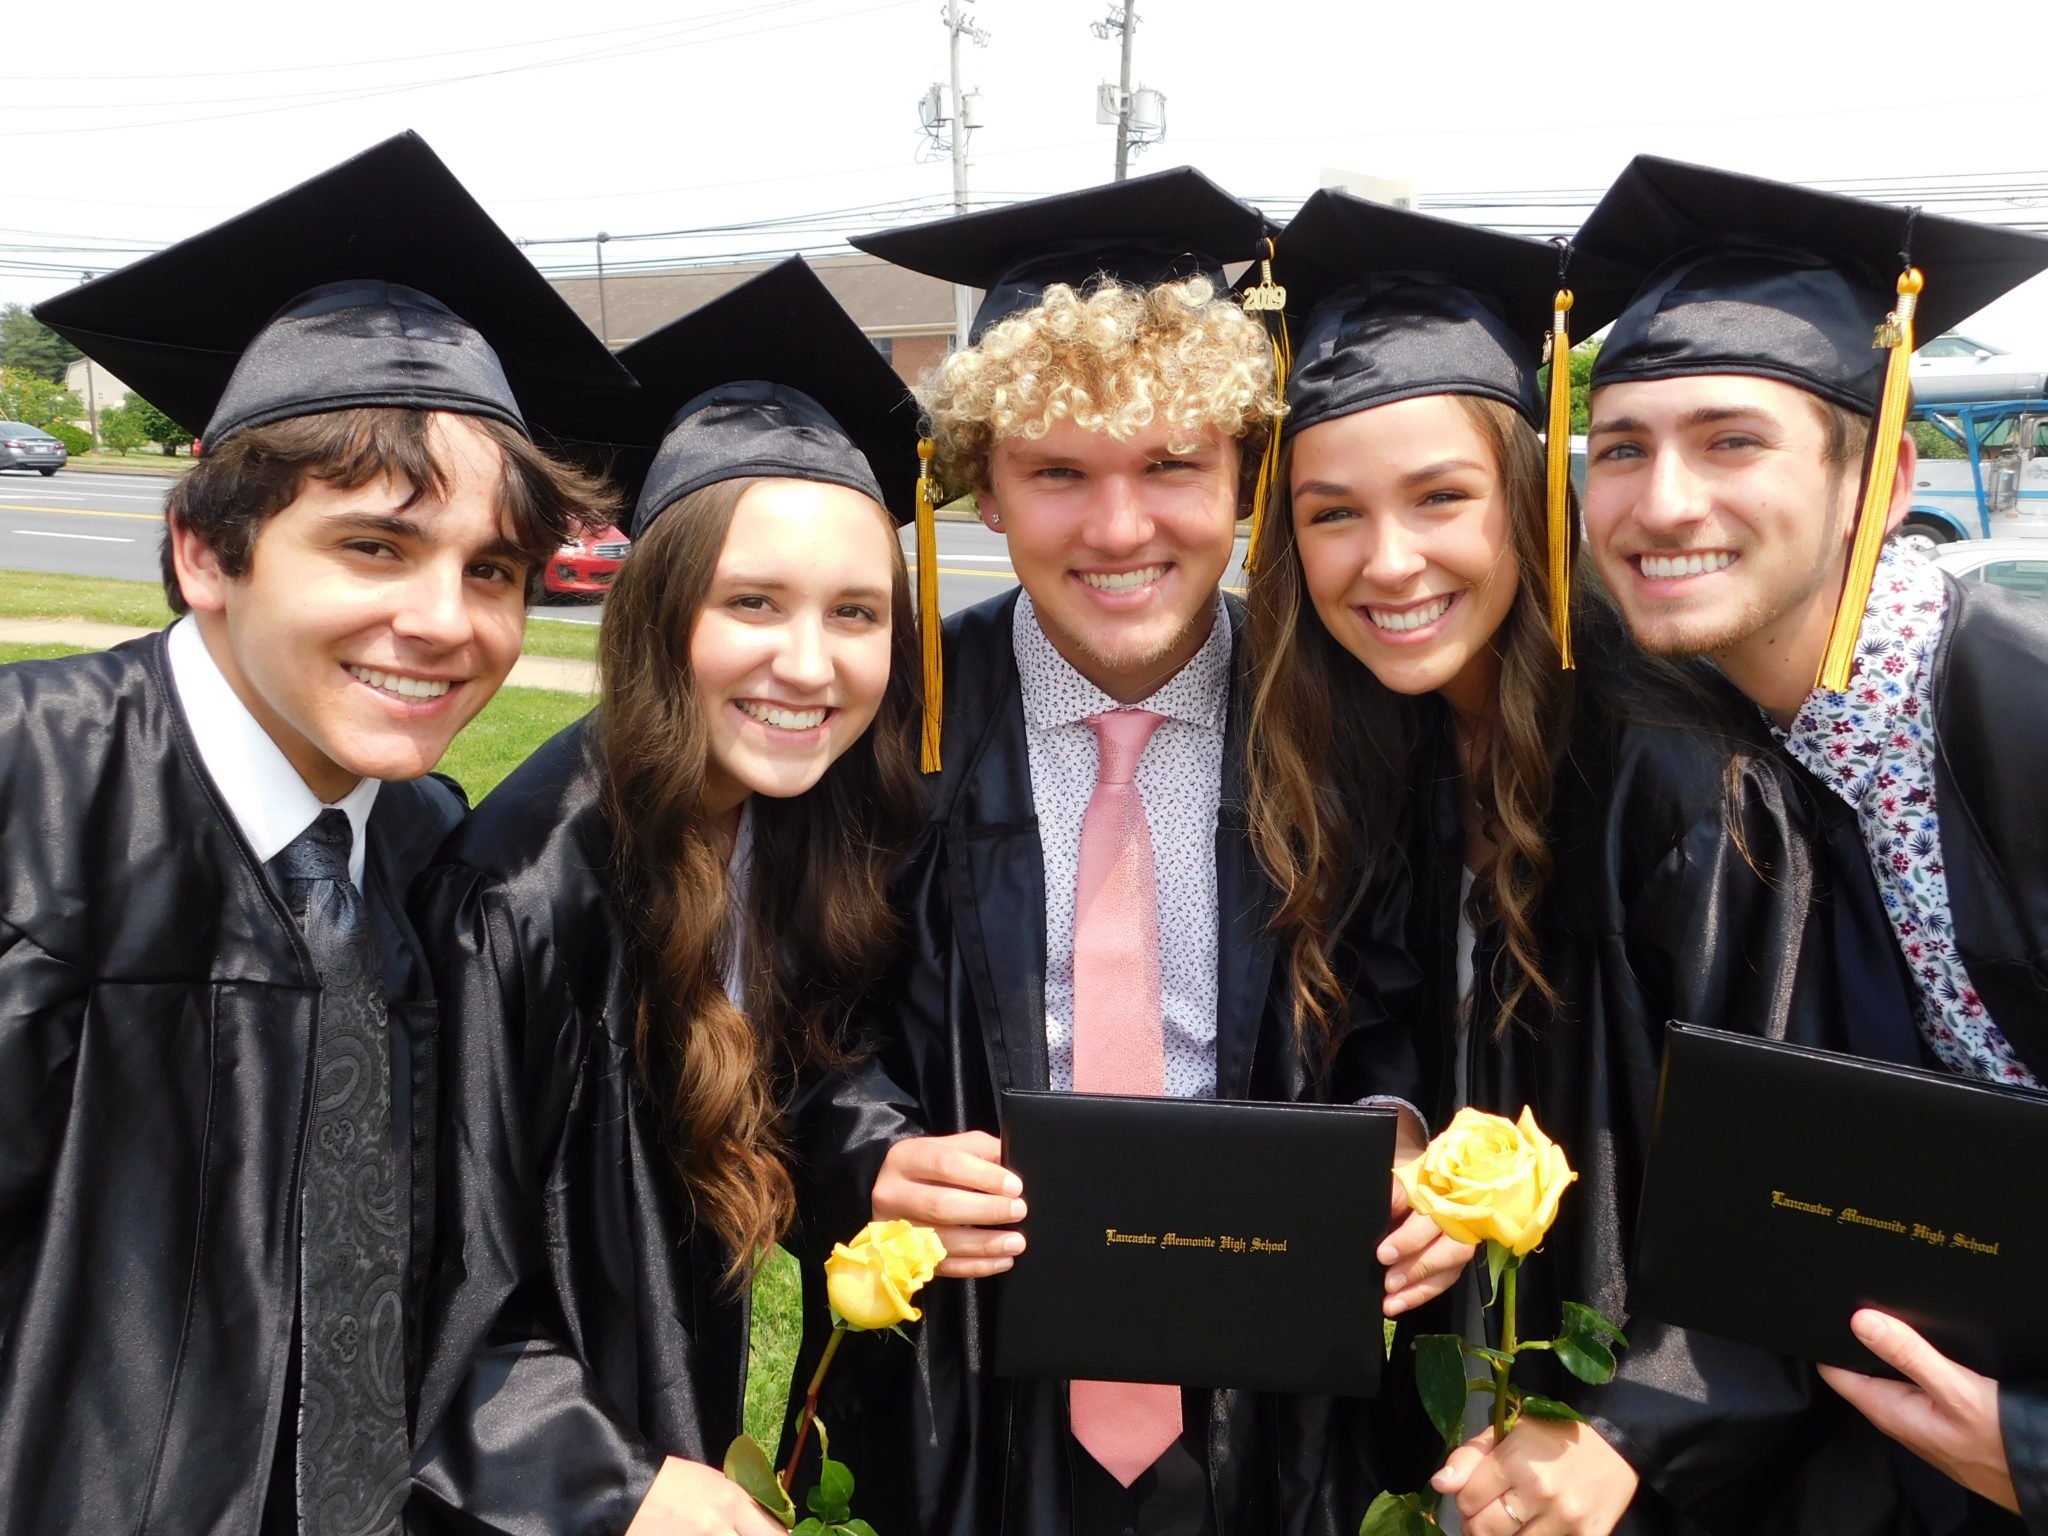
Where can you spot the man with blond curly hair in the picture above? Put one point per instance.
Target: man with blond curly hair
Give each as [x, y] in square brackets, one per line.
[1108, 414]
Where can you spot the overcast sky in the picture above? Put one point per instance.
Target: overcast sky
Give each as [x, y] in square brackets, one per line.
[133, 125]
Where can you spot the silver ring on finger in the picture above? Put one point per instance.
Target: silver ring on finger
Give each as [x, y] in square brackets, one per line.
[1504, 1504]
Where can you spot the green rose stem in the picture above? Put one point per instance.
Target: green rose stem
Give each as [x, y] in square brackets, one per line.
[803, 1420]
[1507, 1348]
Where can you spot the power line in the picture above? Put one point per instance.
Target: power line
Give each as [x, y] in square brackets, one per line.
[609, 51]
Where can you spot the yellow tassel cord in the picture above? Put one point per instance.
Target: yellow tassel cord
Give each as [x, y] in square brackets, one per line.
[928, 603]
[1268, 301]
[1897, 334]
[1558, 447]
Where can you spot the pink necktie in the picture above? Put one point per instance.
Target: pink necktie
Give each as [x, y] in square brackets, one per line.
[1119, 1044]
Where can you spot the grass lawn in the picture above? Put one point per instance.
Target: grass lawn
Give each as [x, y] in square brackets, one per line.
[98, 599]
[35, 652]
[772, 1355]
[560, 637]
[504, 735]
[104, 600]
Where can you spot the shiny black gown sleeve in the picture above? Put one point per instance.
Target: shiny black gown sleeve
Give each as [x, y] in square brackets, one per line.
[42, 1008]
[518, 1434]
[2023, 1424]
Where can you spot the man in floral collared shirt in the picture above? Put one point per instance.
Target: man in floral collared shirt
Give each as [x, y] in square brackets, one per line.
[1732, 407]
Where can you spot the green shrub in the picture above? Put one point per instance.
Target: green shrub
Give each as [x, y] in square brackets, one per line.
[76, 440]
[119, 430]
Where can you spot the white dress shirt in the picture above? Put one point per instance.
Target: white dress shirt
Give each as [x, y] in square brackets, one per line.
[269, 801]
[1180, 782]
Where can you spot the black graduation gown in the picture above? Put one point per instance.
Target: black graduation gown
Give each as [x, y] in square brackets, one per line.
[1655, 912]
[158, 1021]
[1991, 740]
[577, 1327]
[939, 1444]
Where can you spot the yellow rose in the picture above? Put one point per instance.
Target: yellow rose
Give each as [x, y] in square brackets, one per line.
[871, 1279]
[1486, 1179]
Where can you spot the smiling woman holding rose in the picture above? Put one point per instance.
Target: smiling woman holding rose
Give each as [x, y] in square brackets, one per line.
[1593, 851]
[650, 930]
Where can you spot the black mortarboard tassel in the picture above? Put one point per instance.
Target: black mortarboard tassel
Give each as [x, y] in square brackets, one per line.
[380, 282]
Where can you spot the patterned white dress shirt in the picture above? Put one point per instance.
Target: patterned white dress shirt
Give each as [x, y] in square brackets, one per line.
[1180, 781]
[1873, 744]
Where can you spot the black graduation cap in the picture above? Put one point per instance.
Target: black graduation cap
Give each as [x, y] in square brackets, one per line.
[379, 282]
[1748, 276]
[1171, 224]
[1812, 289]
[1388, 305]
[772, 378]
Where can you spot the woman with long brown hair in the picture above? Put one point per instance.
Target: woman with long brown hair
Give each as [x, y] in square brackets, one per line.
[1590, 852]
[650, 933]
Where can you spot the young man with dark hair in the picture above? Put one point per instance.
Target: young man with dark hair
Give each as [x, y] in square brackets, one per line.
[1108, 412]
[216, 1037]
[1732, 403]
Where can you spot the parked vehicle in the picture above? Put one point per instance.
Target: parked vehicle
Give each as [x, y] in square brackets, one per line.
[2018, 564]
[25, 447]
[1953, 368]
[1999, 488]
[585, 567]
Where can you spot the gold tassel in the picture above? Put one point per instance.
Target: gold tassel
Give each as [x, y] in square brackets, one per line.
[928, 603]
[1269, 301]
[1896, 333]
[1558, 448]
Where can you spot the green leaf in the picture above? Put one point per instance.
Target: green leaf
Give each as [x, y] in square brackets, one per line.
[811, 1527]
[1588, 1359]
[832, 1499]
[1497, 1261]
[1397, 1514]
[1440, 1377]
[858, 1528]
[748, 1465]
[1490, 1356]
[1582, 1322]
[1550, 1408]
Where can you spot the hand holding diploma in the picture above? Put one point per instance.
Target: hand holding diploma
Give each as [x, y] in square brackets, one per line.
[1944, 1413]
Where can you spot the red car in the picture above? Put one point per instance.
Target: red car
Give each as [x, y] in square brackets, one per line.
[585, 567]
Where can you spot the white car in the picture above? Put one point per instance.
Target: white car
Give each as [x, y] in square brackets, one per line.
[2018, 564]
[1953, 368]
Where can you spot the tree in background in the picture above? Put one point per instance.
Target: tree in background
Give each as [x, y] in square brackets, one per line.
[28, 344]
[156, 427]
[119, 430]
[31, 397]
[1582, 380]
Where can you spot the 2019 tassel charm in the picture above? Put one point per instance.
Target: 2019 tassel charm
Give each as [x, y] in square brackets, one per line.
[1268, 300]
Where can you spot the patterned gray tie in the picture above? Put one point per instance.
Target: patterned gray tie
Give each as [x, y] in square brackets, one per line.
[353, 1456]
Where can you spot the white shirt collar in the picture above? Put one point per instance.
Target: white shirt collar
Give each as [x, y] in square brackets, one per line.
[269, 801]
[1056, 694]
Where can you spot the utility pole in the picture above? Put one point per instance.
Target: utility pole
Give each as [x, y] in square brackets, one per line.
[92, 405]
[604, 329]
[1123, 92]
[951, 107]
[1140, 115]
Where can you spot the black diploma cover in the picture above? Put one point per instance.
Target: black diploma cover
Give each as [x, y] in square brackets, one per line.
[1197, 1242]
[1789, 1186]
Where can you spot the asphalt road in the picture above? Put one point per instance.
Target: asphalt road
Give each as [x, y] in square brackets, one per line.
[91, 524]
